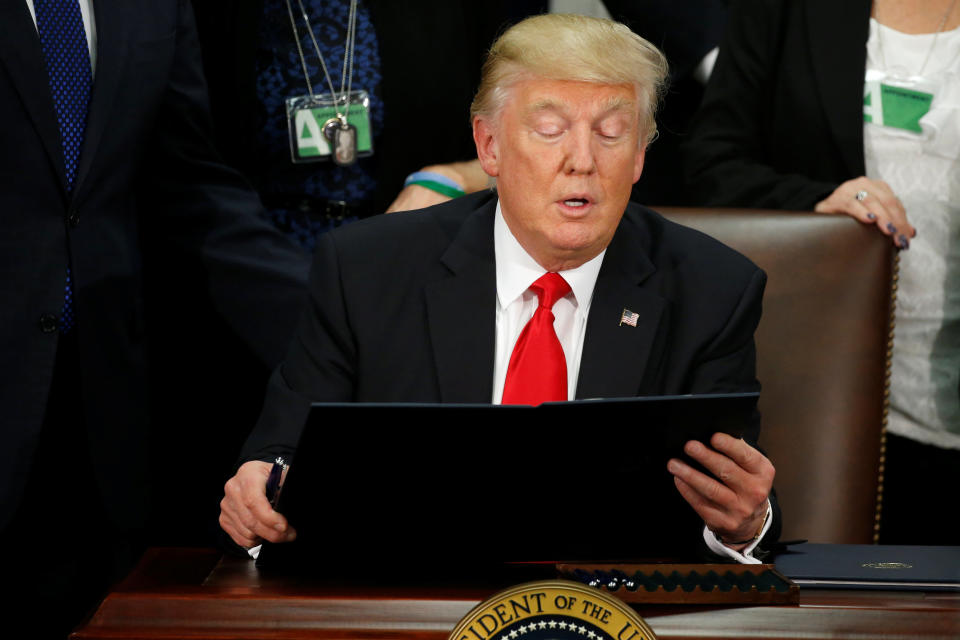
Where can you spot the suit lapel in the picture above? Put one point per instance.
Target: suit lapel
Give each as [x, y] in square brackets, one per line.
[22, 57]
[838, 33]
[616, 355]
[112, 25]
[461, 312]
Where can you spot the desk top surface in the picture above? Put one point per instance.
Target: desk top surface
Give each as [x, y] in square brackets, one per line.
[179, 592]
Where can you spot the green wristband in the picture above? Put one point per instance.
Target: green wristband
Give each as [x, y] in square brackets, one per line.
[442, 189]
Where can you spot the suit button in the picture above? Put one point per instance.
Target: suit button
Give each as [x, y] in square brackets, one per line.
[73, 219]
[48, 323]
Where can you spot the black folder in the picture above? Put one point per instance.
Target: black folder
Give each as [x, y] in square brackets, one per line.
[434, 487]
[872, 566]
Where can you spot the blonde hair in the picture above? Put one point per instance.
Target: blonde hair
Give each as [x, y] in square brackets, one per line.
[573, 47]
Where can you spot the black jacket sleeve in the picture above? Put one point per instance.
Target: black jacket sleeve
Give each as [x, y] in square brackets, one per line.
[756, 141]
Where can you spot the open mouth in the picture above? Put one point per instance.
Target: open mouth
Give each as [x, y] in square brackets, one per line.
[576, 202]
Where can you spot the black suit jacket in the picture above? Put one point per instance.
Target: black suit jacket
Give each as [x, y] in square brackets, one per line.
[146, 143]
[781, 125]
[403, 310]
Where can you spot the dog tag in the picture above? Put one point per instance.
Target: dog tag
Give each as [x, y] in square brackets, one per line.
[345, 144]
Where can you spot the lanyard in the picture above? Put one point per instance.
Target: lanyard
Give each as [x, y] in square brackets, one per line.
[346, 76]
[933, 44]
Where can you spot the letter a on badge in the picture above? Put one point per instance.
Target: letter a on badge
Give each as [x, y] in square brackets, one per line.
[310, 140]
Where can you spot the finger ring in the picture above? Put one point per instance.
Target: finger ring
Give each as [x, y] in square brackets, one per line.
[861, 195]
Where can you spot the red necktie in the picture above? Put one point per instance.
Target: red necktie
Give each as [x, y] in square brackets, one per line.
[538, 370]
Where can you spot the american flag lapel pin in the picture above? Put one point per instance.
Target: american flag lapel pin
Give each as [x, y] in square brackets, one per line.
[629, 317]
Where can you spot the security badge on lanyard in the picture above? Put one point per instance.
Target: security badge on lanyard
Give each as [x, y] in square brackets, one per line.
[322, 129]
[897, 102]
[333, 125]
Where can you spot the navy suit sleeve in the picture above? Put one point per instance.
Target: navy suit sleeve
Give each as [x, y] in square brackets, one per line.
[729, 365]
[256, 277]
[319, 366]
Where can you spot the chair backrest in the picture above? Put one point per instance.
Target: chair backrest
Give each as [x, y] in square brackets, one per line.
[823, 359]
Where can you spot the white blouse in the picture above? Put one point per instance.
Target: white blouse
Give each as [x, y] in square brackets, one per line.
[923, 169]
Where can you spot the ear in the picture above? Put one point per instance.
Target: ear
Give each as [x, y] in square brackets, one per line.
[488, 151]
[638, 163]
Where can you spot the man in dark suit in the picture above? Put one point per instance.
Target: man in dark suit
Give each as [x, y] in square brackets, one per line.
[90, 146]
[434, 305]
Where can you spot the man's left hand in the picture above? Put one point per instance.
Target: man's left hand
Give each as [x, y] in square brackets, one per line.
[734, 503]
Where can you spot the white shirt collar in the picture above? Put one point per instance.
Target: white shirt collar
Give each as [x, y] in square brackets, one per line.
[516, 270]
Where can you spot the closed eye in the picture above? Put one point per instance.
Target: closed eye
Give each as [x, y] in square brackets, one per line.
[548, 124]
[548, 131]
[613, 128]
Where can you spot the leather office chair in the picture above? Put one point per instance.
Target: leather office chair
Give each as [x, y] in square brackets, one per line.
[823, 359]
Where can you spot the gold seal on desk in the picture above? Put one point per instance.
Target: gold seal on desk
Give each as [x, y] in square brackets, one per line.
[552, 610]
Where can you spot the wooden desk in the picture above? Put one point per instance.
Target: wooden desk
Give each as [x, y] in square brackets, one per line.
[193, 593]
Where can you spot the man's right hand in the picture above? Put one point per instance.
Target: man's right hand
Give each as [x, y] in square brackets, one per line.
[245, 513]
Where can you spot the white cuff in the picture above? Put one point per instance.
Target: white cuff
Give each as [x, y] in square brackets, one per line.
[745, 555]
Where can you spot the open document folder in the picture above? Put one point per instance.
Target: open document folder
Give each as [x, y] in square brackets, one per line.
[433, 486]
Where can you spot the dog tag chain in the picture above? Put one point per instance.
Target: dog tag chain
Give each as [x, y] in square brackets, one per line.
[328, 126]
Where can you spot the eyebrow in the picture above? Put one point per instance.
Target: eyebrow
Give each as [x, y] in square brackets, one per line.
[618, 103]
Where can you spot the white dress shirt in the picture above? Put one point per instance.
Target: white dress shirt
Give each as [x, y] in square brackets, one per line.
[516, 304]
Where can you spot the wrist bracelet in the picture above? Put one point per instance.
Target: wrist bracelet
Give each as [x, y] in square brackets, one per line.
[435, 182]
[756, 536]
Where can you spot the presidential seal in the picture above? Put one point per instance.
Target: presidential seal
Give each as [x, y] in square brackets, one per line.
[552, 610]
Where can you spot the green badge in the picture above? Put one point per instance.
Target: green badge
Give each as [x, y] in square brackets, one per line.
[892, 106]
[313, 122]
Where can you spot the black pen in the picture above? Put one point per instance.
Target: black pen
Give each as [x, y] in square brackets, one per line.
[274, 481]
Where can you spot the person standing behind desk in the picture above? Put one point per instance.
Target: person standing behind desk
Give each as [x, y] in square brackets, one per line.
[852, 108]
[416, 61]
[104, 107]
[471, 288]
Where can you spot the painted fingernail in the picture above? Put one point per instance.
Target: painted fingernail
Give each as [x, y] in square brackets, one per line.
[871, 216]
[904, 243]
[891, 228]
